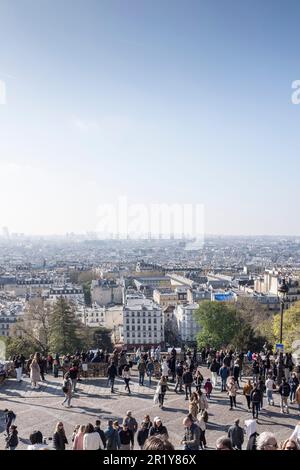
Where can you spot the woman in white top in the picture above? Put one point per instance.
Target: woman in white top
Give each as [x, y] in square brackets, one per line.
[270, 386]
[126, 376]
[91, 438]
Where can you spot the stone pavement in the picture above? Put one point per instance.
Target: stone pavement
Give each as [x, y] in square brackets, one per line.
[42, 409]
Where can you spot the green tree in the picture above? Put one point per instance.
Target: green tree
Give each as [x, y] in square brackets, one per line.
[102, 339]
[218, 322]
[20, 345]
[291, 326]
[65, 329]
[87, 293]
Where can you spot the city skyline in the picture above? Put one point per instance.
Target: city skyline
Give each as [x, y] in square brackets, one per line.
[164, 103]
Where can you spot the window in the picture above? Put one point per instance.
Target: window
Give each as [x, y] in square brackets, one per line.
[154, 321]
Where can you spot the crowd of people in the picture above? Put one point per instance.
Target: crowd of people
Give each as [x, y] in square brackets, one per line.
[174, 373]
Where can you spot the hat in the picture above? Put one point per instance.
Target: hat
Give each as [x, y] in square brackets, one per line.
[129, 412]
[157, 418]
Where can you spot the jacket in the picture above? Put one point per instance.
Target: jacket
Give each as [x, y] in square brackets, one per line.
[112, 439]
[192, 437]
[59, 440]
[102, 435]
[13, 440]
[247, 389]
[92, 441]
[131, 423]
[154, 430]
[142, 367]
[284, 390]
[126, 437]
[142, 436]
[224, 372]
[187, 378]
[236, 434]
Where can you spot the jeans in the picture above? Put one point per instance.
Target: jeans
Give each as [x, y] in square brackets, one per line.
[74, 383]
[161, 398]
[284, 403]
[248, 401]
[178, 383]
[255, 409]
[141, 378]
[68, 398]
[293, 394]
[232, 401]
[188, 390]
[127, 385]
[150, 377]
[223, 388]
[270, 397]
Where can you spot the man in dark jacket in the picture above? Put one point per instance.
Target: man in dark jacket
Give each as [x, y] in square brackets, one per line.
[100, 432]
[142, 371]
[112, 437]
[224, 374]
[187, 380]
[191, 440]
[255, 398]
[9, 419]
[112, 372]
[126, 438]
[236, 434]
[179, 374]
[142, 435]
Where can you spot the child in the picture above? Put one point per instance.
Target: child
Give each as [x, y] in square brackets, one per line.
[208, 388]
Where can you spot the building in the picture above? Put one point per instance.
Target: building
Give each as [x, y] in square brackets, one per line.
[142, 323]
[68, 292]
[165, 297]
[106, 292]
[187, 325]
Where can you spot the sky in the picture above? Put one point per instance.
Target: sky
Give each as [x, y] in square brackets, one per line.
[161, 102]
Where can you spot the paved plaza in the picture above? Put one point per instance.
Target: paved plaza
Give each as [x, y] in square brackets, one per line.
[41, 409]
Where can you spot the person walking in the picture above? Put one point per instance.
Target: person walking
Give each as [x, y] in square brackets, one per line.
[10, 418]
[162, 388]
[284, 392]
[78, 439]
[59, 437]
[35, 376]
[198, 380]
[191, 439]
[179, 373]
[165, 368]
[208, 388]
[112, 373]
[126, 438]
[247, 389]
[236, 434]
[251, 426]
[67, 389]
[98, 429]
[294, 382]
[214, 372]
[187, 379]
[130, 422]
[236, 372]
[73, 374]
[203, 403]
[55, 367]
[194, 405]
[232, 390]
[202, 419]
[126, 376]
[224, 374]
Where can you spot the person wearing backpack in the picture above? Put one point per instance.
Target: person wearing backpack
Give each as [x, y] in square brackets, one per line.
[284, 392]
[255, 398]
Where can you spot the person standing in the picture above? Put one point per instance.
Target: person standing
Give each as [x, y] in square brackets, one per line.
[179, 374]
[208, 388]
[130, 422]
[232, 390]
[191, 439]
[164, 368]
[294, 382]
[35, 376]
[224, 374]
[236, 434]
[59, 437]
[73, 374]
[270, 386]
[297, 397]
[55, 368]
[255, 397]
[251, 433]
[284, 392]
[10, 418]
[78, 439]
[18, 365]
[150, 370]
[202, 419]
[236, 372]
[67, 389]
[142, 434]
[162, 389]
[100, 432]
[126, 438]
[112, 437]
[142, 371]
[91, 439]
[198, 379]
[158, 428]
[112, 373]
[214, 372]
[194, 405]
[247, 389]
[12, 440]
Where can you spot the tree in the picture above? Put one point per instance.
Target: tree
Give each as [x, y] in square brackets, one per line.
[291, 326]
[65, 329]
[33, 326]
[102, 339]
[87, 293]
[20, 345]
[218, 322]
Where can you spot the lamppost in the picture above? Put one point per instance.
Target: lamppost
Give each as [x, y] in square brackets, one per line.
[283, 289]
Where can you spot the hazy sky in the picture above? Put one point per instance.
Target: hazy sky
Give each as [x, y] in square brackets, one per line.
[159, 101]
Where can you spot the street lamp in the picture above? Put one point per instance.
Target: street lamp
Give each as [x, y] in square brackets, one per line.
[283, 289]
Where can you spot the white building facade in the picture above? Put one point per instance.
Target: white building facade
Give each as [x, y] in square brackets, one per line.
[187, 325]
